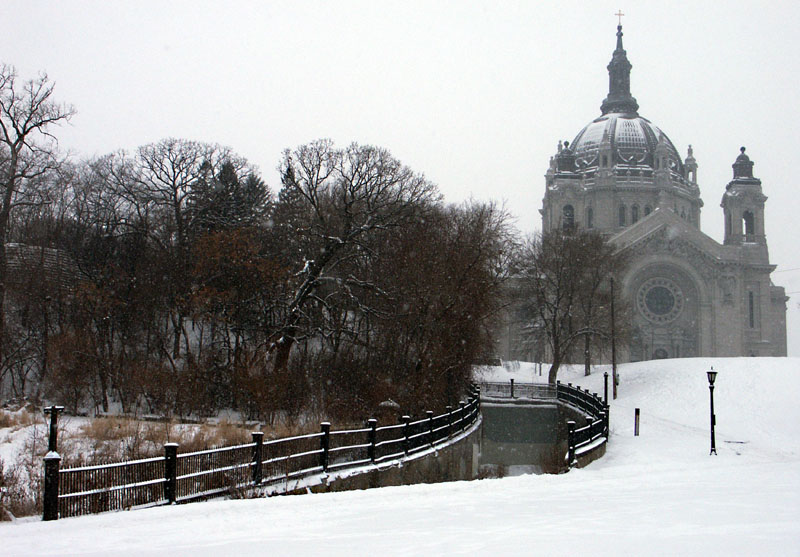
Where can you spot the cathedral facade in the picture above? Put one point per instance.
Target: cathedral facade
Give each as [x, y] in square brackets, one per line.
[688, 294]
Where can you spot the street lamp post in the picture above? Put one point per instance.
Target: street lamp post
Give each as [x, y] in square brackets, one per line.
[712, 375]
[614, 378]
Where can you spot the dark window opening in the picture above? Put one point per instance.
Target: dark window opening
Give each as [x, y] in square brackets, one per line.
[634, 214]
[647, 210]
[589, 218]
[752, 309]
[622, 215]
[749, 223]
[568, 219]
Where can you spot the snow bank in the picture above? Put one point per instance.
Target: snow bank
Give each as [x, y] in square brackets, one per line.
[656, 494]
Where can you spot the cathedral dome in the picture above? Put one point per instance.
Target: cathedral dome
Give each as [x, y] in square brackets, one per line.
[631, 141]
[620, 139]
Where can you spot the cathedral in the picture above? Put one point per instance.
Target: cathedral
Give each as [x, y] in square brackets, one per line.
[688, 295]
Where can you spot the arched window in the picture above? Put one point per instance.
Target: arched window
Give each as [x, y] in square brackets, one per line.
[647, 210]
[589, 218]
[634, 214]
[749, 223]
[622, 215]
[568, 218]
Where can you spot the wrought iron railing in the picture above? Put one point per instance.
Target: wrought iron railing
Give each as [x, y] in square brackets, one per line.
[180, 477]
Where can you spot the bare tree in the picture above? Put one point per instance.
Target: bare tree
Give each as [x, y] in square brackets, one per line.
[561, 276]
[28, 151]
[349, 194]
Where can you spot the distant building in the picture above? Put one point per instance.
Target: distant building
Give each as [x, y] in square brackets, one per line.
[689, 295]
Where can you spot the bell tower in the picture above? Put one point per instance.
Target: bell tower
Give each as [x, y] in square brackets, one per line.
[743, 205]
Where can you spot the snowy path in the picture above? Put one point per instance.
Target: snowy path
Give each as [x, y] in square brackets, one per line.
[657, 494]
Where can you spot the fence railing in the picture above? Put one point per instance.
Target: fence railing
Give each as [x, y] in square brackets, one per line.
[180, 477]
[534, 391]
[592, 436]
[581, 441]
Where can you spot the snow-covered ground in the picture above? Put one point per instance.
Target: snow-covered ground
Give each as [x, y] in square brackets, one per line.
[656, 494]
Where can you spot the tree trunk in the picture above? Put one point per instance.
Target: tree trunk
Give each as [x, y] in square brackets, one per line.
[553, 373]
[587, 355]
[283, 349]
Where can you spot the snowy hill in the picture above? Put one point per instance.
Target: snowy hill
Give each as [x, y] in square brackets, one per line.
[656, 494]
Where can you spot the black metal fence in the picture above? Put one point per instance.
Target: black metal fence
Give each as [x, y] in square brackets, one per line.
[594, 434]
[180, 477]
[581, 441]
[533, 391]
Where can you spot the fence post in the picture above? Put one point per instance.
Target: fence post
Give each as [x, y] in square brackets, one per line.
[406, 428]
[373, 438]
[429, 414]
[571, 443]
[171, 472]
[449, 420]
[608, 422]
[636, 422]
[462, 405]
[325, 445]
[52, 463]
[258, 439]
[602, 416]
[512, 388]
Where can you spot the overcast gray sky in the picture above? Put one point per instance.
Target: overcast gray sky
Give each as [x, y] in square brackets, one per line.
[474, 94]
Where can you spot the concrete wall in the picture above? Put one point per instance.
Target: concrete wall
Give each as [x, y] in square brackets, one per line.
[454, 462]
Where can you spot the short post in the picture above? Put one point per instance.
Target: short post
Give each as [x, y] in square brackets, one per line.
[325, 445]
[449, 420]
[605, 388]
[258, 440]
[52, 463]
[512, 388]
[171, 472]
[372, 423]
[571, 443]
[462, 405]
[608, 421]
[429, 413]
[406, 431]
[636, 422]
